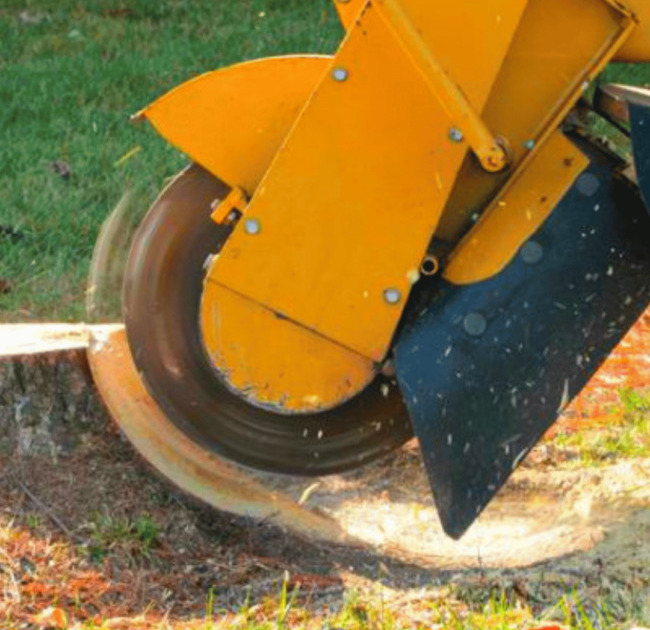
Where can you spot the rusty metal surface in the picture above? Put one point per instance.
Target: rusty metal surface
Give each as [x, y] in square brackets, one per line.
[191, 467]
[162, 291]
[275, 363]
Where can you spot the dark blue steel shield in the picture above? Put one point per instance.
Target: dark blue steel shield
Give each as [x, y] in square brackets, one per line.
[640, 128]
[485, 369]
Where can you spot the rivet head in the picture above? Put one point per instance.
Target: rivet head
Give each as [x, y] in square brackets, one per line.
[474, 324]
[532, 253]
[252, 226]
[529, 144]
[392, 296]
[340, 74]
[456, 135]
[588, 184]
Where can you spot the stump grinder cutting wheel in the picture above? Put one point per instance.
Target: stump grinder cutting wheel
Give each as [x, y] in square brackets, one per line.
[417, 235]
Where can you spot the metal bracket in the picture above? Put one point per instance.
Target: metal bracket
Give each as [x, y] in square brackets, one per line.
[491, 151]
[235, 202]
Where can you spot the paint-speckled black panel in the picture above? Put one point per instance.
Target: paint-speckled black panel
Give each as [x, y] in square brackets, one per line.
[640, 125]
[486, 367]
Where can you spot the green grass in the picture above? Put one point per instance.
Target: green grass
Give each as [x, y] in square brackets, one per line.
[632, 73]
[499, 611]
[71, 73]
[132, 538]
[626, 436]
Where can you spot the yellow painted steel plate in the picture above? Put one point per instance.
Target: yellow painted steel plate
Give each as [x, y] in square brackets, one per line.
[343, 217]
[274, 362]
[469, 39]
[517, 212]
[557, 49]
[232, 121]
[638, 47]
[348, 10]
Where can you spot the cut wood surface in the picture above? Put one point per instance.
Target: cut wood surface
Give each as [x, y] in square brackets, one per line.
[28, 339]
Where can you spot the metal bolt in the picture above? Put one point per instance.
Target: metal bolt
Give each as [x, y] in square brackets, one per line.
[208, 261]
[388, 368]
[430, 265]
[340, 74]
[474, 324]
[529, 144]
[413, 275]
[456, 135]
[252, 226]
[532, 253]
[392, 296]
[588, 184]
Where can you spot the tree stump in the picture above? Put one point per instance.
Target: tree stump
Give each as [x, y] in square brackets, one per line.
[47, 398]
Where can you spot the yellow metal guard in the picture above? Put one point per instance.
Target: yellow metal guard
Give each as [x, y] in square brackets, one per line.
[352, 165]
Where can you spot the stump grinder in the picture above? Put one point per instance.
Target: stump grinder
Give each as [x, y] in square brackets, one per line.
[421, 235]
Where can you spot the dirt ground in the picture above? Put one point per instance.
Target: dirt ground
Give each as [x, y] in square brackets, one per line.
[70, 530]
[87, 527]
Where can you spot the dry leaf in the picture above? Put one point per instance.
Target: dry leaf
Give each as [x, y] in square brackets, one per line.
[52, 617]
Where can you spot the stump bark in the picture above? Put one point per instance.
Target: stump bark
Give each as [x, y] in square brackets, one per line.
[47, 398]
